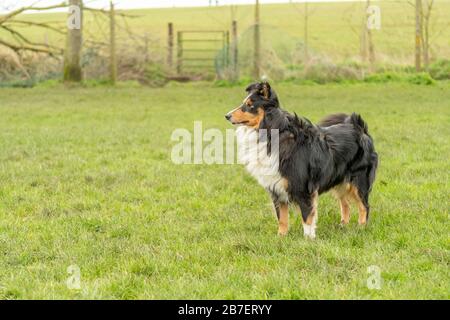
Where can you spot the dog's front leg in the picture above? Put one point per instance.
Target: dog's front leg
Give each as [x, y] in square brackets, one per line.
[308, 207]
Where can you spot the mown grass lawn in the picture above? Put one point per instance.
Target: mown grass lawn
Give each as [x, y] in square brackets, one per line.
[86, 179]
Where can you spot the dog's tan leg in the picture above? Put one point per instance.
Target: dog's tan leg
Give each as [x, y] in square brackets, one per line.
[345, 210]
[362, 218]
[283, 219]
[342, 194]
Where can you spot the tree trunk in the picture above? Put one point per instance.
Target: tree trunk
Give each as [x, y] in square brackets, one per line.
[72, 56]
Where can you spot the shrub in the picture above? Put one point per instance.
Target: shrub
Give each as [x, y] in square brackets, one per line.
[414, 78]
[440, 70]
[382, 77]
[421, 78]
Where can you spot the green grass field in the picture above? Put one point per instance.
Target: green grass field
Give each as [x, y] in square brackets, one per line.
[86, 180]
[334, 28]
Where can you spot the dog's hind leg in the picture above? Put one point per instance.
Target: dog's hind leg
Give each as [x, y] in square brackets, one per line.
[363, 207]
[361, 197]
[341, 192]
[345, 210]
[308, 206]
[361, 187]
[283, 219]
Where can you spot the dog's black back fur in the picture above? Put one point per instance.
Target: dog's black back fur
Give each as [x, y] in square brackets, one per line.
[319, 157]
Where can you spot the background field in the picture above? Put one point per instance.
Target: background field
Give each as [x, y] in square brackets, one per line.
[86, 179]
[334, 28]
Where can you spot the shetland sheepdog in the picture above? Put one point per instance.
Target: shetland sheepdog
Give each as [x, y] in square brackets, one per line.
[337, 154]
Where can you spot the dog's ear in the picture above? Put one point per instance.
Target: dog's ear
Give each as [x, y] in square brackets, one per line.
[266, 90]
[263, 89]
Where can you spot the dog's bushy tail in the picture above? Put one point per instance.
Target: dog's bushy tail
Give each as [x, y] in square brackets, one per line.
[333, 119]
[340, 118]
[365, 140]
[359, 123]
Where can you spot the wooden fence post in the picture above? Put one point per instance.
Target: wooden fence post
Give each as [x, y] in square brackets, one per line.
[257, 44]
[235, 50]
[370, 43]
[305, 31]
[228, 47]
[170, 45]
[146, 42]
[418, 34]
[112, 45]
[179, 51]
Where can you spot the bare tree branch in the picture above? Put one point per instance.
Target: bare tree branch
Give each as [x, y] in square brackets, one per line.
[29, 8]
[24, 47]
[21, 42]
[46, 25]
[22, 39]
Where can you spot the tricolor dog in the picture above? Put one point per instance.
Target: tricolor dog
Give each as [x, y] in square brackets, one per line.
[337, 154]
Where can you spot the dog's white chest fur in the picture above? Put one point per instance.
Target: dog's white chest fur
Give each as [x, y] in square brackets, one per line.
[252, 152]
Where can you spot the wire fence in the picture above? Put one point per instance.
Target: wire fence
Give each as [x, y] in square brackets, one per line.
[321, 41]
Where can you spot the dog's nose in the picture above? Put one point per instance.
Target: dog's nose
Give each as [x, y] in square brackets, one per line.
[228, 116]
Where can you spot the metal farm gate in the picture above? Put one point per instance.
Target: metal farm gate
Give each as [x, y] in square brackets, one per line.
[202, 51]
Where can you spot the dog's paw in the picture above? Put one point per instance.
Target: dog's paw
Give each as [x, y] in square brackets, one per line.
[362, 225]
[310, 237]
[343, 224]
[309, 231]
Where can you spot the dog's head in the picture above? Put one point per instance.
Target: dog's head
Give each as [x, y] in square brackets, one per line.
[260, 98]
